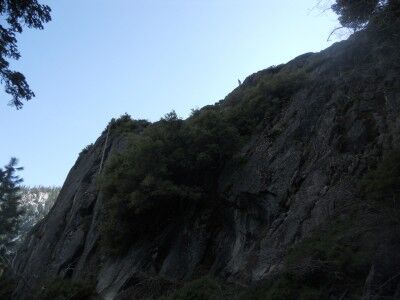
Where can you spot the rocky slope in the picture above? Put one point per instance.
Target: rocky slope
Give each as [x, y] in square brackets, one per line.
[300, 170]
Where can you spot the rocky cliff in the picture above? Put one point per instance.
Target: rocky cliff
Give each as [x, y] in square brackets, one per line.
[300, 170]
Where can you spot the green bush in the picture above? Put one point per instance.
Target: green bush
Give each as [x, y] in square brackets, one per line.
[380, 190]
[169, 165]
[204, 288]
[172, 163]
[325, 265]
[125, 124]
[86, 149]
[263, 101]
[382, 184]
[7, 284]
[284, 84]
[61, 289]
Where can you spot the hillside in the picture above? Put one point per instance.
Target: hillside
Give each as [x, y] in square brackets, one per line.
[286, 189]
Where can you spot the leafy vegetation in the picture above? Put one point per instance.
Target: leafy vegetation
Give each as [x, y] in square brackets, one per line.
[382, 184]
[380, 189]
[356, 14]
[333, 262]
[15, 15]
[201, 289]
[174, 163]
[205, 288]
[86, 149]
[258, 104]
[168, 165]
[7, 283]
[125, 124]
[10, 211]
[61, 289]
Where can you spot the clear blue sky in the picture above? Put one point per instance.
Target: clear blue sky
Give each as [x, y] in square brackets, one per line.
[98, 59]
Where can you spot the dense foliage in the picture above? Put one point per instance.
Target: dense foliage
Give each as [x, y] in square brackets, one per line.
[15, 15]
[7, 283]
[62, 289]
[9, 204]
[356, 14]
[174, 163]
[9, 224]
[205, 288]
[166, 166]
[383, 183]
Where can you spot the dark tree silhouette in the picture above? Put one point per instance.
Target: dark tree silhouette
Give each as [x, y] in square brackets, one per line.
[15, 15]
[9, 204]
[357, 14]
[10, 213]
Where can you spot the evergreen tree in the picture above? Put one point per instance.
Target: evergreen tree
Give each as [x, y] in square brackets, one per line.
[9, 204]
[15, 14]
[357, 14]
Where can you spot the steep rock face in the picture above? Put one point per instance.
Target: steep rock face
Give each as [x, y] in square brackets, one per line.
[299, 170]
[64, 243]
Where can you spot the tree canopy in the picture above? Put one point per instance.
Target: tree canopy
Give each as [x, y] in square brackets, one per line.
[9, 204]
[17, 14]
[171, 165]
[356, 14]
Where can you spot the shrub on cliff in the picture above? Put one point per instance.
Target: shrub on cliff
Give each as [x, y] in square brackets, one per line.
[263, 101]
[169, 165]
[332, 263]
[172, 164]
[60, 289]
[383, 183]
[205, 288]
[7, 283]
[125, 124]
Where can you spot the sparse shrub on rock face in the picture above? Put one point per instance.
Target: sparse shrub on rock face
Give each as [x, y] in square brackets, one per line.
[86, 149]
[382, 184]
